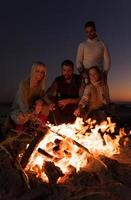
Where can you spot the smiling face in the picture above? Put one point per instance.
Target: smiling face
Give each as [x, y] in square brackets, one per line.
[39, 73]
[67, 72]
[38, 106]
[94, 75]
[90, 32]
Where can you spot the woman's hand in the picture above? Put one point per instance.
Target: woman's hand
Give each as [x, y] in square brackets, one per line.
[22, 118]
[52, 107]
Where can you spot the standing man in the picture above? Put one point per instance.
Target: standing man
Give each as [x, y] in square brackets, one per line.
[64, 94]
[92, 52]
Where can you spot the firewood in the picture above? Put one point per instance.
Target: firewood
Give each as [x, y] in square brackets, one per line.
[31, 147]
[53, 172]
[42, 151]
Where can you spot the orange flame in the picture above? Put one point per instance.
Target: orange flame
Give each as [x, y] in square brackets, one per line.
[72, 144]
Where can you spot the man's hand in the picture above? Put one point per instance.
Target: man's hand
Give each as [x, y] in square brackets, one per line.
[64, 102]
[77, 112]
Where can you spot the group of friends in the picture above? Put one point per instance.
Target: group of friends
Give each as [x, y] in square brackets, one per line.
[85, 94]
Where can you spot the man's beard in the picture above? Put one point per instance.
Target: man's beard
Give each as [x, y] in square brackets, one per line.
[68, 78]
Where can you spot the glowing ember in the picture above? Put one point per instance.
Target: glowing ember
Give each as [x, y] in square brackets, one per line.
[69, 146]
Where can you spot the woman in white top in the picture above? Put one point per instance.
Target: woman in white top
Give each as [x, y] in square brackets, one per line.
[96, 93]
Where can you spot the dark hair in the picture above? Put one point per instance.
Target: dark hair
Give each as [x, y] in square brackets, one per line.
[67, 63]
[96, 68]
[90, 23]
[98, 71]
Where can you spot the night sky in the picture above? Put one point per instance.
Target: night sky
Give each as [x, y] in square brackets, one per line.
[50, 31]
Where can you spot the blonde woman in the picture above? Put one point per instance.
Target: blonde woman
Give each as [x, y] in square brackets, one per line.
[30, 89]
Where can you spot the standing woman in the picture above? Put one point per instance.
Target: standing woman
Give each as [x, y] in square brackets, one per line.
[30, 89]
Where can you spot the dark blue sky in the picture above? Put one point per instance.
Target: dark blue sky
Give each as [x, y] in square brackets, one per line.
[50, 31]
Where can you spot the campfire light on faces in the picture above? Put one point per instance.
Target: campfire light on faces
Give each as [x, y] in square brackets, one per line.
[69, 146]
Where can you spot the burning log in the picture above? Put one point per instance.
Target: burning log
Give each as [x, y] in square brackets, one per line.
[75, 142]
[42, 151]
[82, 147]
[31, 148]
[72, 163]
[66, 145]
[53, 172]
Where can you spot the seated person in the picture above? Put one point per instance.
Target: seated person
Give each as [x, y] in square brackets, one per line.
[35, 118]
[64, 94]
[95, 97]
[39, 115]
[31, 88]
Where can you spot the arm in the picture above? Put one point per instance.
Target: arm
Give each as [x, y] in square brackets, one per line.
[72, 101]
[84, 101]
[19, 107]
[51, 93]
[85, 98]
[107, 60]
[22, 97]
[82, 88]
[107, 95]
[79, 58]
[65, 102]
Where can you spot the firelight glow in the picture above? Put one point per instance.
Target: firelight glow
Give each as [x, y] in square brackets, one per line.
[70, 145]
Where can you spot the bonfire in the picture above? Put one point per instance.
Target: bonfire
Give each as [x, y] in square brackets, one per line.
[84, 160]
[69, 147]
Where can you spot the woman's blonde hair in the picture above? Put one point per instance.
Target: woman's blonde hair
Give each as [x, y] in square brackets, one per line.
[33, 70]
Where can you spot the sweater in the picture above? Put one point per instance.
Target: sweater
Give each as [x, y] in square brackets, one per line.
[93, 53]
